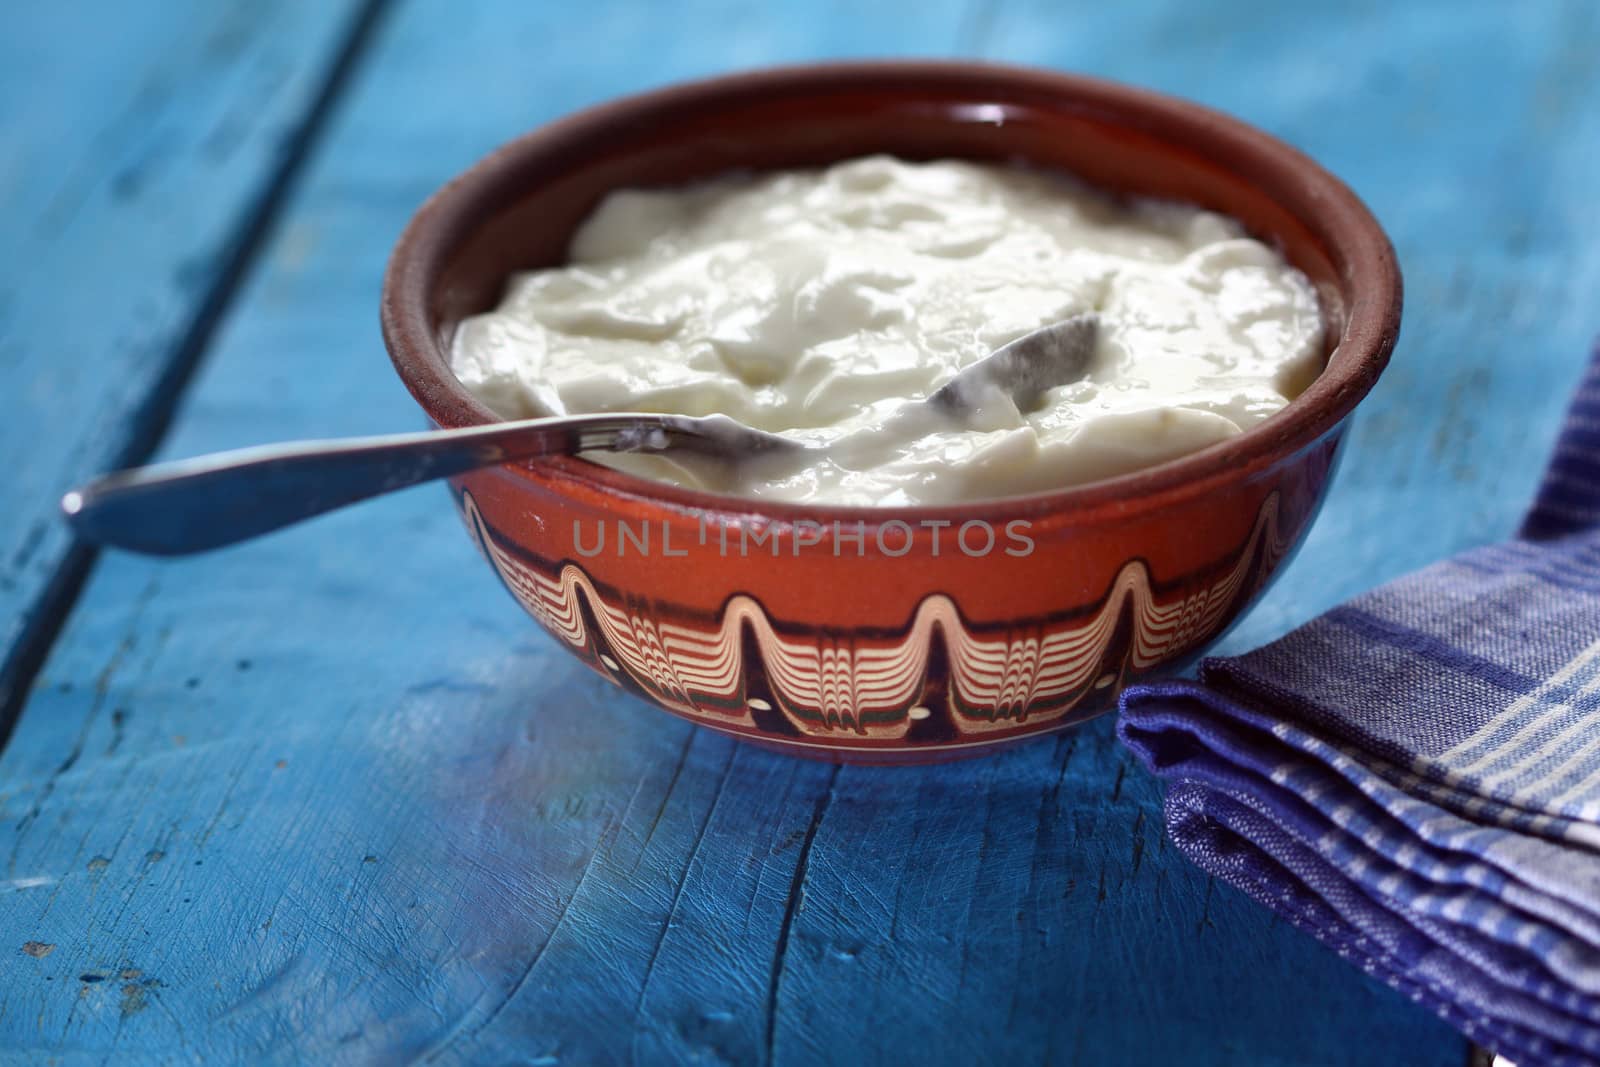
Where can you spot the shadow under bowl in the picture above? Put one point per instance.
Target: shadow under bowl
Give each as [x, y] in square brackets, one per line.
[881, 634]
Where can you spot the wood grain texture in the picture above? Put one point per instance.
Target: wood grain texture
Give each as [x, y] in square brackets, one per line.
[330, 796]
[140, 148]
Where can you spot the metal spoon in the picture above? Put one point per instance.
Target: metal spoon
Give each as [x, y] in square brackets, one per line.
[196, 504]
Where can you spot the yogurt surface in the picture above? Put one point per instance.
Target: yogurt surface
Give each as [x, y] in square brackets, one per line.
[824, 303]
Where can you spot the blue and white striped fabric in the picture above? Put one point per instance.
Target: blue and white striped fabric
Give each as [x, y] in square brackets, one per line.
[1414, 777]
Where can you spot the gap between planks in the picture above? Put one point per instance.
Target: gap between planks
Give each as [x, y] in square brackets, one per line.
[149, 422]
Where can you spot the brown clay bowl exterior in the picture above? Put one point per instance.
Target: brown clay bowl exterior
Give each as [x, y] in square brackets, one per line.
[899, 648]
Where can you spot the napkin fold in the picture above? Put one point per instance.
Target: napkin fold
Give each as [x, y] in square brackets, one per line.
[1414, 777]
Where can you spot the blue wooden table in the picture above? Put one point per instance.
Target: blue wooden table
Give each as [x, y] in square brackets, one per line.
[331, 797]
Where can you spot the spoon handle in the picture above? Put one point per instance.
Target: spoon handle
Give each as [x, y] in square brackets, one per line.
[196, 504]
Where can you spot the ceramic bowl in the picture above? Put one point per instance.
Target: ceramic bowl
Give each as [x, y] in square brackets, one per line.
[901, 633]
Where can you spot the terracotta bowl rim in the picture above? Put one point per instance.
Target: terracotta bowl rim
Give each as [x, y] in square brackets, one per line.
[1371, 294]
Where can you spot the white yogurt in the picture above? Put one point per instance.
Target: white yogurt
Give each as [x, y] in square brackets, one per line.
[820, 303]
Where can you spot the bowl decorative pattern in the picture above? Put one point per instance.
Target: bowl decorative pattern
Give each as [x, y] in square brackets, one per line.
[827, 687]
[744, 616]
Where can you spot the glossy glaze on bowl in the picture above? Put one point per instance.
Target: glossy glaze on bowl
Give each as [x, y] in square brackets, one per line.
[912, 648]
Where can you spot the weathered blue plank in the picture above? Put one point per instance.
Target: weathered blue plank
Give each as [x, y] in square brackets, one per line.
[140, 145]
[330, 796]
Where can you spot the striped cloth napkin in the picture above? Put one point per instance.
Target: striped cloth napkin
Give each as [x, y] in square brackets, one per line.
[1414, 777]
